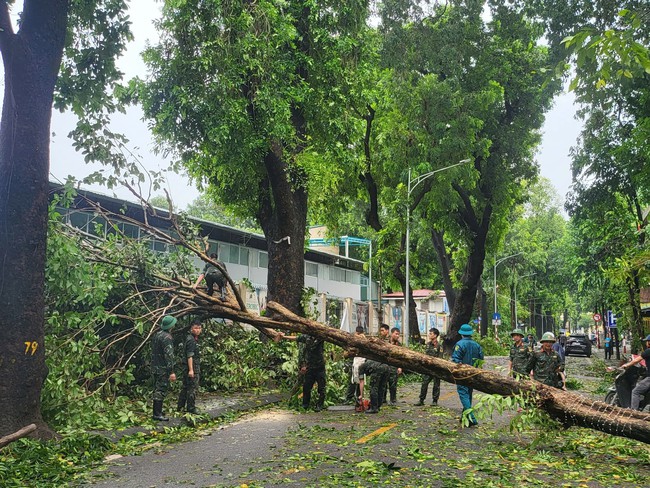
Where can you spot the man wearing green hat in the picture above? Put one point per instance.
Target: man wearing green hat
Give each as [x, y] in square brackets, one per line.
[162, 365]
[468, 352]
[546, 364]
[520, 355]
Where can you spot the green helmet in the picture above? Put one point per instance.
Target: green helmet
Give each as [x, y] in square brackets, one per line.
[517, 331]
[547, 337]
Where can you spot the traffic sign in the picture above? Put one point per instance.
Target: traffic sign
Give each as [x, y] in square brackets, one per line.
[611, 319]
[597, 317]
[496, 316]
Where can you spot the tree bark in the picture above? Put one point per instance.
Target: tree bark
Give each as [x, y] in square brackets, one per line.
[31, 62]
[283, 217]
[568, 408]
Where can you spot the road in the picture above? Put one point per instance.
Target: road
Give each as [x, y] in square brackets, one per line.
[401, 446]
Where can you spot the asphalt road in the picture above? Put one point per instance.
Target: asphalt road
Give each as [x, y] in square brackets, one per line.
[401, 446]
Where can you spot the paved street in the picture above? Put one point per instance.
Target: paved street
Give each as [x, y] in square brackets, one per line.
[403, 446]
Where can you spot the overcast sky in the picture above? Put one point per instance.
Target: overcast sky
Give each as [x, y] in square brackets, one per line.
[559, 132]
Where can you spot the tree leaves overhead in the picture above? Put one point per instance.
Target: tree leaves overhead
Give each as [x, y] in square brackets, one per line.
[227, 78]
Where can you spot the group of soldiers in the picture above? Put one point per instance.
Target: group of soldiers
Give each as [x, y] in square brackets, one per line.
[544, 365]
[163, 363]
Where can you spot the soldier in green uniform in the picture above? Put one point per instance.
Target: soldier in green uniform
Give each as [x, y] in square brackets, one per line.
[213, 276]
[162, 365]
[546, 364]
[312, 366]
[191, 369]
[378, 374]
[520, 355]
[394, 371]
[434, 348]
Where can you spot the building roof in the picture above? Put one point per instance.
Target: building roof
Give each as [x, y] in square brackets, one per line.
[416, 294]
[213, 230]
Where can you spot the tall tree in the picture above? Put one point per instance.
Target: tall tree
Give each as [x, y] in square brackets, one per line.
[249, 96]
[32, 58]
[464, 87]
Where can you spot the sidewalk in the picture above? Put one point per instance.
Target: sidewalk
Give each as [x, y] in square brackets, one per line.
[212, 406]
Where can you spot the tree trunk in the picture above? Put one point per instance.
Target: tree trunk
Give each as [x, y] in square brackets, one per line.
[446, 266]
[31, 63]
[568, 408]
[483, 313]
[283, 217]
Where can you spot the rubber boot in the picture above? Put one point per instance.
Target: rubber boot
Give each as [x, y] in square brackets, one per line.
[157, 411]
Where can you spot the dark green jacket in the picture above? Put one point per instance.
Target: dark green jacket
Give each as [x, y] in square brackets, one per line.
[435, 351]
[370, 367]
[546, 366]
[162, 353]
[313, 355]
[520, 357]
[192, 350]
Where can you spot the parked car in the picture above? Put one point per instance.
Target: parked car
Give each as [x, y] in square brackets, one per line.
[578, 345]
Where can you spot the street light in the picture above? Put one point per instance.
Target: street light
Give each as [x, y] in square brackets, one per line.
[495, 281]
[411, 186]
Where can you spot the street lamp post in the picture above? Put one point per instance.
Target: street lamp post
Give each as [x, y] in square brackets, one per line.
[411, 186]
[496, 263]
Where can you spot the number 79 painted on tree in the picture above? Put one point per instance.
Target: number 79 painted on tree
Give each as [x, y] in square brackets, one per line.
[30, 347]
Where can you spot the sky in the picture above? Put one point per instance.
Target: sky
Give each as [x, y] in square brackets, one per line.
[560, 130]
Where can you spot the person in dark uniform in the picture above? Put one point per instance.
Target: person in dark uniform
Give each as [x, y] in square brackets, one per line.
[378, 374]
[353, 387]
[191, 369]
[434, 348]
[520, 355]
[213, 276]
[162, 365]
[468, 352]
[312, 366]
[394, 370]
[546, 364]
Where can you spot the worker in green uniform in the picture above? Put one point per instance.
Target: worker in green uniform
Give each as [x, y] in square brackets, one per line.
[546, 364]
[434, 349]
[520, 355]
[312, 366]
[162, 365]
[394, 371]
[378, 374]
[191, 369]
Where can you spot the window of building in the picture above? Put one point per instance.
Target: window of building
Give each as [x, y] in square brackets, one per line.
[311, 269]
[262, 259]
[233, 254]
[352, 277]
[337, 274]
[97, 226]
[79, 220]
[243, 256]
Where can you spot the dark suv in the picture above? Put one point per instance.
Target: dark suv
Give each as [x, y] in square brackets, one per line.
[578, 344]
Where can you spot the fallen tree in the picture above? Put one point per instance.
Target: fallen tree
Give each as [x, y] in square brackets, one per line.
[176, 295]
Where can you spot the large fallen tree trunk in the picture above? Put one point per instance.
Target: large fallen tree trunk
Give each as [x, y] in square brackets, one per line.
[181, 299]
[568, 408]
